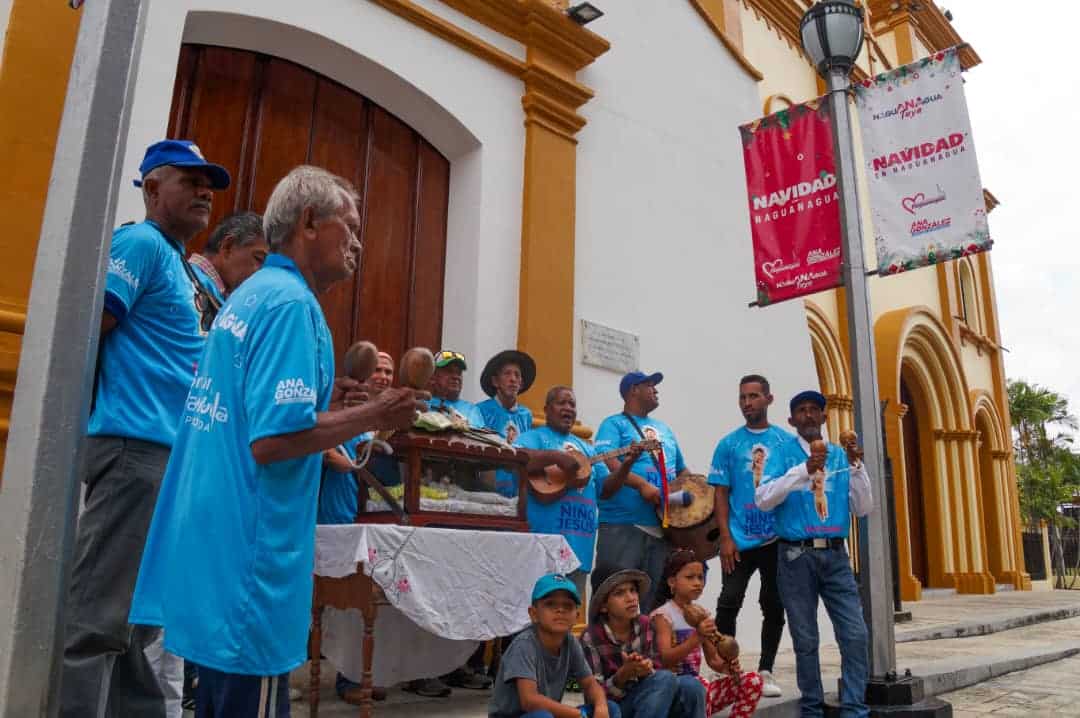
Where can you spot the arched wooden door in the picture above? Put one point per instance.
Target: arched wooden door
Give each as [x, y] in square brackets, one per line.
[260, 116]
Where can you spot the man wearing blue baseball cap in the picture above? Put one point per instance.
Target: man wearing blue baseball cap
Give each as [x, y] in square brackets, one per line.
[813, 504]
[151, 337]
[629, 536]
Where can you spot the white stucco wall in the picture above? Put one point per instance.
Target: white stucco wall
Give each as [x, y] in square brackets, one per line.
[5, 16]
[466, 108]
[663, 237]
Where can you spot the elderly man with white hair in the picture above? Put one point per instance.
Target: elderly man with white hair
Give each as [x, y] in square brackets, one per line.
[228, 561]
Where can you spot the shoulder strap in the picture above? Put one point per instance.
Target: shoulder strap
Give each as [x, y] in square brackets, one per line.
[652, 454]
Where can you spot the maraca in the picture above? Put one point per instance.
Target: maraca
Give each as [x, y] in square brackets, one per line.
[361, 360]
[850, 441]
[417, 366]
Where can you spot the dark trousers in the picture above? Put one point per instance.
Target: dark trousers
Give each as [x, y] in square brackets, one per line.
[763, 560]
[106, 670]
[231, 695]
[621, 546]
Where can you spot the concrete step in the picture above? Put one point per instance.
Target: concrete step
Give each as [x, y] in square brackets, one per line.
[1000, 622]
[945, 675]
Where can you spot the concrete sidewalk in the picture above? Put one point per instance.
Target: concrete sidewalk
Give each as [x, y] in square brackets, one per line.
[1030, 629]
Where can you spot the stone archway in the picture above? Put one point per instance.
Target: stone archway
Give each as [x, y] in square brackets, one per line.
[1004, 555]
[831, 363]
[913, 347]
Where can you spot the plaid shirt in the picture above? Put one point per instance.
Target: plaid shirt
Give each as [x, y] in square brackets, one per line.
[603, 651]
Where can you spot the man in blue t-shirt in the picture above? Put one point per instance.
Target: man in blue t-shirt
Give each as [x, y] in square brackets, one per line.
[506, 376]
[150, 344]
[813, 503]
[630, 536]
[227, 570]
[574, 514]
[742, 460]
[234, 251]
[446, 385]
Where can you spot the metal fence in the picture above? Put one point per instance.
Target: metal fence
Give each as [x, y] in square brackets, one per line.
[1065, 556]
[1034, 561]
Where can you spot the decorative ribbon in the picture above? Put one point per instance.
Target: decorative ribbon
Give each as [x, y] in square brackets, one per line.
[663, 485]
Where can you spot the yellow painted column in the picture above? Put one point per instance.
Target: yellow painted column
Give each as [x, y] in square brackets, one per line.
[910, 586]
[552, 97]
[977, 577]
[37, 54]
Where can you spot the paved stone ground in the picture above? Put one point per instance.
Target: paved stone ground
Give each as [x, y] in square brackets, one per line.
[1049, 690]
[1053, 682]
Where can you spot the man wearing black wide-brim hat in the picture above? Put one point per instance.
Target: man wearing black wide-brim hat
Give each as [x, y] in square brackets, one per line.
[506, 376]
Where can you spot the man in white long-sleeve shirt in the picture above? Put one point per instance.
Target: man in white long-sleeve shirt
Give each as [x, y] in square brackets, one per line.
[813, 503]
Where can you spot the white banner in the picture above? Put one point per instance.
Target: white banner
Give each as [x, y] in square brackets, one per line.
[925, 194]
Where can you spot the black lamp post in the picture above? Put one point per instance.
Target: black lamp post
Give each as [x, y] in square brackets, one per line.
[832, 37]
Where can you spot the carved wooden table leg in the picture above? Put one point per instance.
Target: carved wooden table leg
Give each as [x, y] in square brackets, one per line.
[369, 608]
[316, 652]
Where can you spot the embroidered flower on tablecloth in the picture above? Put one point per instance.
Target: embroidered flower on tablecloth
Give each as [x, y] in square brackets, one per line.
[403, 585]
[564, 553]
[372, 554]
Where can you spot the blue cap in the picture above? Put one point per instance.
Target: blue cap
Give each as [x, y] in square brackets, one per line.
[181, 153]
[553, 582]
[636, 377]
[809, 395]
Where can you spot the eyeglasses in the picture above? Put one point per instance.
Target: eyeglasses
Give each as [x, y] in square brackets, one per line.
[446, 357]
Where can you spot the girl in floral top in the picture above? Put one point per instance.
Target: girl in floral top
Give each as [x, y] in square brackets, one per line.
[682, 647]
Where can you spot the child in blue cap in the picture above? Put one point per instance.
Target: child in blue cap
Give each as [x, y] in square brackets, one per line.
[536, 666]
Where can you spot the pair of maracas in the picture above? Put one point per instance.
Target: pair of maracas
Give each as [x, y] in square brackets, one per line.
[848, 439]
[726, 645]
[415, 370]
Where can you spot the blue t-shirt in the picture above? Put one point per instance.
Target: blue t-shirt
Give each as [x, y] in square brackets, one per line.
[465, 409]
[208, 282]
[148, 360]
[338, 495]
[742, 460]
[816, 511]
[627, 506]
[338, 492]
[510, 423]
[574, 515]
[227, 568]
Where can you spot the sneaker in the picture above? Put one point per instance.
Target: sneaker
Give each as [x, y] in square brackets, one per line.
[769, 687]
[428, 688]
[466, 677]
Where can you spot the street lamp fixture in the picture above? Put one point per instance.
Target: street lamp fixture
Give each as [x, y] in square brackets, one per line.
[584, 13]
[832, 35]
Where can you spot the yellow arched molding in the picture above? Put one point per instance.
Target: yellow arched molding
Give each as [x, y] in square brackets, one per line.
[913, 344]
[1005, 558]
[832, 369]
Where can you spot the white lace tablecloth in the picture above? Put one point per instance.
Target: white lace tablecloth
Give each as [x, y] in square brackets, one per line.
[448, 589]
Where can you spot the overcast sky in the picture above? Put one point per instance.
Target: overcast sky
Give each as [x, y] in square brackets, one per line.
[1024, 101]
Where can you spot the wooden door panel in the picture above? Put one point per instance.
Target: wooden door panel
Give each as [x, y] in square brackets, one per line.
[260, 116]
[433, 190]
[283, 129]
[339, 139]
[388, 231]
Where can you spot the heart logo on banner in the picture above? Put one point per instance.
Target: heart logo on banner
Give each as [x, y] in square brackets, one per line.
[768, 267]
[910, 202]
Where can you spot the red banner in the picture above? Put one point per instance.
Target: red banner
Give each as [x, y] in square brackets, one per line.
[794, 202]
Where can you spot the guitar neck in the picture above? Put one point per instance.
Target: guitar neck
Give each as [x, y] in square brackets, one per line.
[616, 453]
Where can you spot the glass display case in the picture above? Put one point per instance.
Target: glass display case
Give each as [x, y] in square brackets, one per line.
[447, 480]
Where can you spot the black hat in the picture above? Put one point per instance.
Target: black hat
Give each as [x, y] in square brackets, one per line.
[627, 575]
[510, 356]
